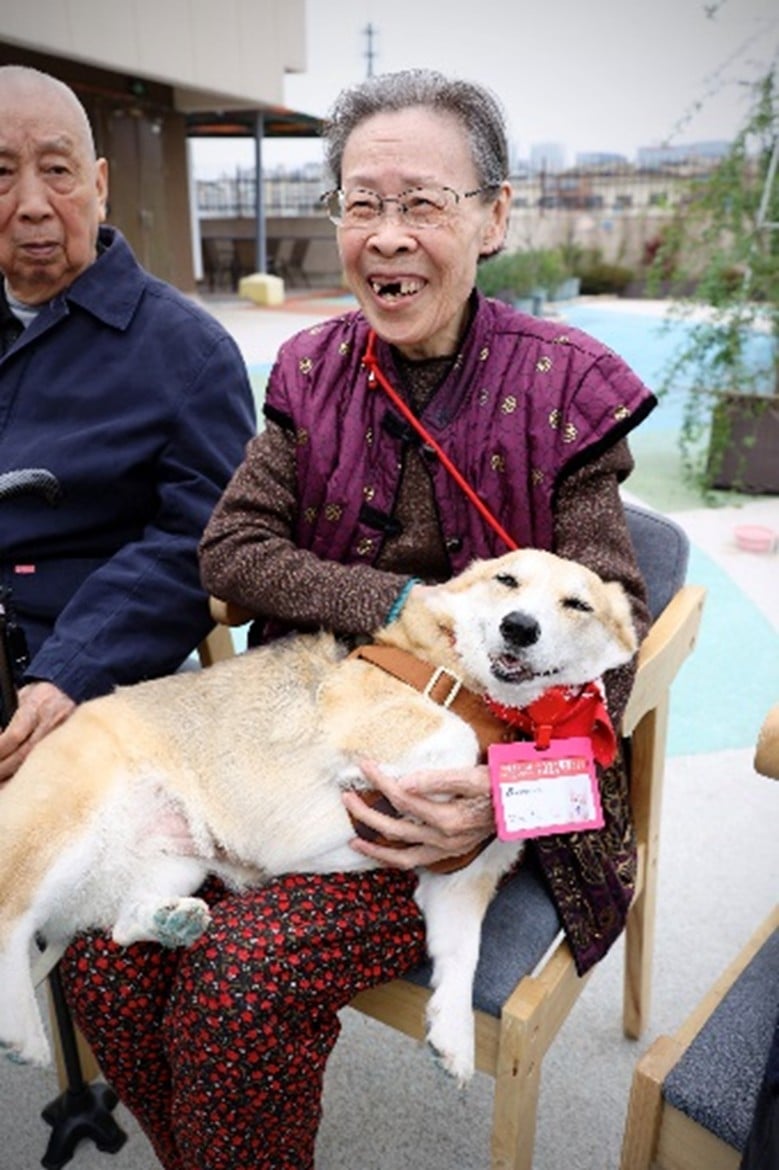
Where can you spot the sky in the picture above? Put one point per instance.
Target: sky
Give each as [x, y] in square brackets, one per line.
[592, 75]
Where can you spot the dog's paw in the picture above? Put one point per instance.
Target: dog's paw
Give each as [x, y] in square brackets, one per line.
[13, 1055]
[450, 1038]
[179, 923]
[459, 1068]
[452, 1047]
[36, 1053]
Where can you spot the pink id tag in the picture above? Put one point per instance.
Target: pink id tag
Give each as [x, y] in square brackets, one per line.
[541, 791]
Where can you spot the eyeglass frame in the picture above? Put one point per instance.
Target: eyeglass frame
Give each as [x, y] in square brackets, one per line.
[384, 199]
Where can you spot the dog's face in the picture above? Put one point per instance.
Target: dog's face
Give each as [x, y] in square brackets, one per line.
[530, 620]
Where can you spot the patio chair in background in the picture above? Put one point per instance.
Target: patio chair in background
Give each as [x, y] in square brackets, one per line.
[693, 1094]
[290, 261]
[244, 259]
[218, 263]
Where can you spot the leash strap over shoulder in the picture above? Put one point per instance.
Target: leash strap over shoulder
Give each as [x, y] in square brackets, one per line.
[443, 687]
[375, 375]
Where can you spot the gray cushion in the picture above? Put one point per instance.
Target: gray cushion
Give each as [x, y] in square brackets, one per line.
[662, 551]
[717, 1080]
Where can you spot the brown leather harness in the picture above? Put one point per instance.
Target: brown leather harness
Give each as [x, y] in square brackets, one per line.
[446, 689]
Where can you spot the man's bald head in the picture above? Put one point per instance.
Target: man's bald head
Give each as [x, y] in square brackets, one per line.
[53, 189]
[19, 80]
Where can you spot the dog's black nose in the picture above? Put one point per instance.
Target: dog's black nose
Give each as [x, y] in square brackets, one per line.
[520, 629]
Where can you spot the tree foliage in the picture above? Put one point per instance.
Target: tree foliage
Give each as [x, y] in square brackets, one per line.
[724, 244]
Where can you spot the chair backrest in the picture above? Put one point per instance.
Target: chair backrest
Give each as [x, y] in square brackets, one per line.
[662, 550]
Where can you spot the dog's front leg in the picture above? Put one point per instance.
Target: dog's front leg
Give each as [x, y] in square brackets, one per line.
[454, 906]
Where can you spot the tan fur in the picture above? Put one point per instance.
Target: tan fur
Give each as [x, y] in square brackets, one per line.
[116, 817]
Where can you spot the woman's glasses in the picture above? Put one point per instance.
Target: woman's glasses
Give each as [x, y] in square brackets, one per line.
[419, 207]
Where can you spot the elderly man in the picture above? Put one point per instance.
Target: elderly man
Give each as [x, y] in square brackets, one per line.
[133, 397]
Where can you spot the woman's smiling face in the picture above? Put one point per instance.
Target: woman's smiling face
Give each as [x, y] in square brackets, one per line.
[413, 284]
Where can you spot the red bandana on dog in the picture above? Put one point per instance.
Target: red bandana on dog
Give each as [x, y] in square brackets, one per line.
[562, 712]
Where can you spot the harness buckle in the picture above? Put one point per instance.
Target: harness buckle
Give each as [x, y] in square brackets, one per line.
[454, 680]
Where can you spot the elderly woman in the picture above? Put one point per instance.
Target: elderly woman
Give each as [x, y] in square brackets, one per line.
[338, 511]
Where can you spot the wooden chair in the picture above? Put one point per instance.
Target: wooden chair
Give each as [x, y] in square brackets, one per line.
[526, 982]
[693, 1093]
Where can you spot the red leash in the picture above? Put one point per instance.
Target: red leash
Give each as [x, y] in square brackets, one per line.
[375, 375]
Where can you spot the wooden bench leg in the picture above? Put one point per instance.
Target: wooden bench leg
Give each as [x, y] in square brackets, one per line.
[531, 1018]
[517, 1088]
[645, 1105]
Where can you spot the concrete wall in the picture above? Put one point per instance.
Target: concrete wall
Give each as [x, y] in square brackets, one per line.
[138, 67]
[237, 50]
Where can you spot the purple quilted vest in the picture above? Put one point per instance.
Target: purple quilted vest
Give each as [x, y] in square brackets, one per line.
[526, 400]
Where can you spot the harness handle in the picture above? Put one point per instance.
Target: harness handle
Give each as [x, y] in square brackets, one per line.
[375, 375]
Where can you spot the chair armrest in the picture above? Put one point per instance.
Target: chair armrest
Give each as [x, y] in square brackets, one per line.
[226, 613]
[767, 750]
[669, 642]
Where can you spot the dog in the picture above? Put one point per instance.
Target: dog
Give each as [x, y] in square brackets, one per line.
[116, 817]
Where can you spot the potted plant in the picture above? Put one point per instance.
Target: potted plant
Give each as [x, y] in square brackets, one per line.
[523, 278]
[724, 244]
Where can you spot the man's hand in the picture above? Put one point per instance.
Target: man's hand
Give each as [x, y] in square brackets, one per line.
[42, 707]
[443, 814]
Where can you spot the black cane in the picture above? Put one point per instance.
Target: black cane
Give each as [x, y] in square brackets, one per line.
[82, 1110]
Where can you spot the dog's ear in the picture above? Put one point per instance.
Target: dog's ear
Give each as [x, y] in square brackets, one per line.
[438, 600]
[621, 617]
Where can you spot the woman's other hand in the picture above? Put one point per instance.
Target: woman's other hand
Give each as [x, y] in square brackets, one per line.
[443, 813]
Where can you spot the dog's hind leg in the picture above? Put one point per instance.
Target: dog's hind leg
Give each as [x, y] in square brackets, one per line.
[157, 908]
[454, 906]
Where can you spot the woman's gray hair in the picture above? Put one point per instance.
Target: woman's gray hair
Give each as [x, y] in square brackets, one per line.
[474, 106]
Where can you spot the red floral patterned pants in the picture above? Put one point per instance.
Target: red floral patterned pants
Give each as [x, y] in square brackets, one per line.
[219, 1049]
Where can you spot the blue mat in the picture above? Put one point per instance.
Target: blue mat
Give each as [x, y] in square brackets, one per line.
[723, 691]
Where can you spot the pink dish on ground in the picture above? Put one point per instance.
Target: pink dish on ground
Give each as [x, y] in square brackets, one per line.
[755, 538]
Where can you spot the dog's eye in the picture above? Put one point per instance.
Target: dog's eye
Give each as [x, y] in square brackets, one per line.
[577, 603]
[507, 580]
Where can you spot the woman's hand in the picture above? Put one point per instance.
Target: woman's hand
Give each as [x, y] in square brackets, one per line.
[42, 707]
[442, 814]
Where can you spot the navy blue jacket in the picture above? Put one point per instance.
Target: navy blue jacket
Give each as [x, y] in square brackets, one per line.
[139, 403]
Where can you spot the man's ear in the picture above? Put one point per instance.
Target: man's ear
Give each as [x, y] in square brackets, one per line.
[101, 186]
